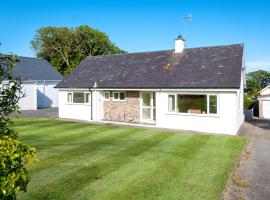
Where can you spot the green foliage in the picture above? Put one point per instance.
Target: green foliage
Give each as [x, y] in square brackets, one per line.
[14, 176]
[66, 47]
[14, 155]
[256, 81]
[247, 101]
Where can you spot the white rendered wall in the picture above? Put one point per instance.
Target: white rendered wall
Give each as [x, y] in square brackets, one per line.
[266, 107]
[265, 91]
[29, 101]
[47, 95]
[240, 104]
[225, 122]
[73, 111]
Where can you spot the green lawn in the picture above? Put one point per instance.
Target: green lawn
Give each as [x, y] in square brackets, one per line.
[86, 161]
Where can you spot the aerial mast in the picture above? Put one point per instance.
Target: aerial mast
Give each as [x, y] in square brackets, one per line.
[186, 19]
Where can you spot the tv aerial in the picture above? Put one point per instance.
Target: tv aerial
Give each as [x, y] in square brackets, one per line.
[186, 20]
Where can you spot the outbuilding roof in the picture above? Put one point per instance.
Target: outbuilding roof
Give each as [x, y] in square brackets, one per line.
[205, 67]
[36, 69]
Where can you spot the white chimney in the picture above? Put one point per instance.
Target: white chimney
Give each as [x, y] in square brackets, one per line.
[179, 44]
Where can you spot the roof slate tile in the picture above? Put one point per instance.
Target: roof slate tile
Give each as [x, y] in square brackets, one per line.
[205, 67]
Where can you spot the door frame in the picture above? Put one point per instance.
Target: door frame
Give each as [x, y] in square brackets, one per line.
[152, 107]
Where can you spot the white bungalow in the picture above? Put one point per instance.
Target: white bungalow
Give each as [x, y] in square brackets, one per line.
[199, 89]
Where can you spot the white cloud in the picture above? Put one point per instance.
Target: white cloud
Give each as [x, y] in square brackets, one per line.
[258, 65]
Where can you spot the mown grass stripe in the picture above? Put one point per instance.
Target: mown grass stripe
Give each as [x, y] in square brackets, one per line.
[27, 124]
[162, 172]
[60, 144]
[43, 135]
[66, 168]
[70, 135]
[47, 127]
[137, 168]
[86, 145]
[199, 180]
[100, 169]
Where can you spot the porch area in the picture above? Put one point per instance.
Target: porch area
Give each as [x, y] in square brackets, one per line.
[134, 107]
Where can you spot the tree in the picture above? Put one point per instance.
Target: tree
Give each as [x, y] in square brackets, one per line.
[256, 81]
[14, 154]
[66, 47]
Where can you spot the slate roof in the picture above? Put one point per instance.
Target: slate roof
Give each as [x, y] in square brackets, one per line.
[36, 69]
[205, 67]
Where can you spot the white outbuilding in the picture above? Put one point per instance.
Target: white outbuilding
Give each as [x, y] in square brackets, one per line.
[264, 103]
[39, 79]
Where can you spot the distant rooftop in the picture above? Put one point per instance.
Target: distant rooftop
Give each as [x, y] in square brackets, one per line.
[36, 69]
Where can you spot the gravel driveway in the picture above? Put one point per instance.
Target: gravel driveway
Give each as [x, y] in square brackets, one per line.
[252, 177]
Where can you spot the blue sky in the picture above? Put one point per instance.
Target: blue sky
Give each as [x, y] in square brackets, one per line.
[145, 25]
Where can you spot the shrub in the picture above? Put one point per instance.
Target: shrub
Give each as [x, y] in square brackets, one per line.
[14, 155]
[248, 102]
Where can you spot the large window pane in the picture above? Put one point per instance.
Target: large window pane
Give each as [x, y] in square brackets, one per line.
[146, 99]
[171, 103]
[213, 104]
[146, 113]
[196, 104]
[78, 97]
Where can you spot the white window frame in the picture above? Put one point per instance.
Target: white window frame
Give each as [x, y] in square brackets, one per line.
[107, 92]
[152, 107]
[174, 96]
[89, 97]
[71, 97]
[208, 104]
[118, 96]
[84, 95]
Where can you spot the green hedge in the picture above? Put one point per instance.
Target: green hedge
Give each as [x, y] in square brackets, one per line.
[248, 102]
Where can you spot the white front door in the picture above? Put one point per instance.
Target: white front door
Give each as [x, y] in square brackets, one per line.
[148, 107]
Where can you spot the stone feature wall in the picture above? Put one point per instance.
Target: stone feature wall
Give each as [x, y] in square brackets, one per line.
[123, 111]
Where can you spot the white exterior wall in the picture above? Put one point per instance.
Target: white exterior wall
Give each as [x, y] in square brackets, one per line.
[240, 103]
[265, 91]
[72, 110]
[240, 96]
[265, 102]
[225, 122]
[29, 101]
[38, 94]
[47, 95]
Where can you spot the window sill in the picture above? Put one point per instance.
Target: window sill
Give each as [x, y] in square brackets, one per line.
[79, 104]
[193, 114]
